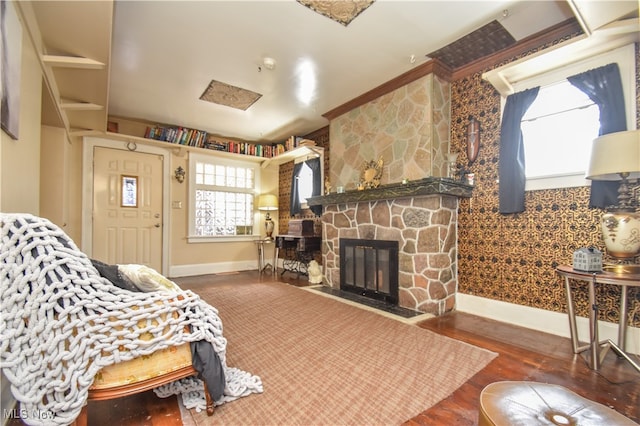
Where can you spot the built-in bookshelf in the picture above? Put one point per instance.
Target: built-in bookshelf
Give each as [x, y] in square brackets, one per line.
[184, 138]
[200, 139]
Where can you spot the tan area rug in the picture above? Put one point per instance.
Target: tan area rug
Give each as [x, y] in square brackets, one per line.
[323, 362]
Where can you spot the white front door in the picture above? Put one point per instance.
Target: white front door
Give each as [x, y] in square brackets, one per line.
[127, 207]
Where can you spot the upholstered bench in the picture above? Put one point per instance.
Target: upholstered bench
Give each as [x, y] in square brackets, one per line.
[531, 403]
[141, 374]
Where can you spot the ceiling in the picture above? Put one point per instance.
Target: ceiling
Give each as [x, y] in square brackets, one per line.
[164, 54]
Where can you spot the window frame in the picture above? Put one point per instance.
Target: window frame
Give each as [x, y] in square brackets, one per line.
[304, 205]
[625, 58]
[195, 158]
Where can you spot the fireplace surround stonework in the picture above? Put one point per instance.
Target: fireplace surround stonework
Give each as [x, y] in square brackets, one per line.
[421, 216]
[425, 228]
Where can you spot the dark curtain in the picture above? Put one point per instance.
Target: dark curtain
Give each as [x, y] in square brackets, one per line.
[316, 168]
[604, 87]
[511, 166]
[294, 201]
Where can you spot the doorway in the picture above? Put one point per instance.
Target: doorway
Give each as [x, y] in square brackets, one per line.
[124, 211]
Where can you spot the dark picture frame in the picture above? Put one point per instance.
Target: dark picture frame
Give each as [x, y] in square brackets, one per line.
[11, 35]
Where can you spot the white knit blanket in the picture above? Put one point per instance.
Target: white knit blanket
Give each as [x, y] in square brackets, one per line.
[61, 322]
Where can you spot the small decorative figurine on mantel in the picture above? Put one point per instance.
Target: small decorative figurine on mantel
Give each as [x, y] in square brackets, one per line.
[371, 173]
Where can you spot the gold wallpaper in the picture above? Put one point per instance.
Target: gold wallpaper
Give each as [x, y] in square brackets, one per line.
[512, 258]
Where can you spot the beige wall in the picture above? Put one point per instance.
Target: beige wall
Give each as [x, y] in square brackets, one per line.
[20, 159]
[183, 253]
[60, 180]
[185, 258]
[54, 175]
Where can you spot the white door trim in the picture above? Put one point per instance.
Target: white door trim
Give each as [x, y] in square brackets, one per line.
[87, 191]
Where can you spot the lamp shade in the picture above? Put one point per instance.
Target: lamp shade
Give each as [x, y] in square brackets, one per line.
[268, 202]
[613, 154]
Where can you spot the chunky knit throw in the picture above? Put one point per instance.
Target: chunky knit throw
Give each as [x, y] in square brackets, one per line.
[61, 322]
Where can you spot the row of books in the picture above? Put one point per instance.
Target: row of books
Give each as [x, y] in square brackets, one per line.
[294, 142]
[258, 150]
[200, 139]
[177, 135]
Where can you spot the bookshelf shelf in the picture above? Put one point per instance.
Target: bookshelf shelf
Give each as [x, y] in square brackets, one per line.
[292, 154]
[179, 149]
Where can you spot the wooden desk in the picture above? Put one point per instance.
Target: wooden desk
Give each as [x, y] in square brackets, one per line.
[622, 280]
[298, 250]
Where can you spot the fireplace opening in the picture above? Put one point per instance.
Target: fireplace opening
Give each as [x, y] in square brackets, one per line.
[370, 268]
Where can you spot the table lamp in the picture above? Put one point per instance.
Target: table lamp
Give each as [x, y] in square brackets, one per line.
[268, 202]
[616, 156]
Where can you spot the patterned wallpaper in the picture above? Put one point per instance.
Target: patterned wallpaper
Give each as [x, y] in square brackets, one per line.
[512, 258]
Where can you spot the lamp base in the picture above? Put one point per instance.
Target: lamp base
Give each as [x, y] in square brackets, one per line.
[268, 227]
[621, 234]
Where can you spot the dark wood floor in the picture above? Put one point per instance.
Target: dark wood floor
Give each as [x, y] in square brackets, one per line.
[523, 355]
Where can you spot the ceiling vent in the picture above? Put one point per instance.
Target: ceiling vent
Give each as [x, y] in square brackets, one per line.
[343, 11]
[228, 95]
[482, 42]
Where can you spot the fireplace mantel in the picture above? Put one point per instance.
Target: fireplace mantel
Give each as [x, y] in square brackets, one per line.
[416, 188]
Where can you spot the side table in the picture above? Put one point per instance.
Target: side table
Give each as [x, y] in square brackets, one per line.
[593, 278]
[260, 245]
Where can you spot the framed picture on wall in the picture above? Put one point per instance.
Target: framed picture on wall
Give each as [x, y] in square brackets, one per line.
[10, 71]
[129, 191]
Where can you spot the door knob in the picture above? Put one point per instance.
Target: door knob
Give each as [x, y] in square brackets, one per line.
[157, 225]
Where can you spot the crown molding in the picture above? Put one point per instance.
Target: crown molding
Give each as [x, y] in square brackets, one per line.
[433, 66]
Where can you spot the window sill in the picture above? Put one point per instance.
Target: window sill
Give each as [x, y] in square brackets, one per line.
[556, 182]
[225, 239]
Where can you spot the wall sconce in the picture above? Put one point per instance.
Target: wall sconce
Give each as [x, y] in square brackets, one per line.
[616, 157]
[268, 202]
[179, 174]
[473, 139]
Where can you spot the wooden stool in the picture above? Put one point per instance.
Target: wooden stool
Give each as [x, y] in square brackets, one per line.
[531, 403]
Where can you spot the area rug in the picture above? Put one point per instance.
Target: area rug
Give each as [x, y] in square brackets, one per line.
[323, 362]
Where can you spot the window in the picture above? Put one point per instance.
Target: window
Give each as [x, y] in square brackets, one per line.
[221, 198]
[562, 121]
[556, 130]
[305, 184]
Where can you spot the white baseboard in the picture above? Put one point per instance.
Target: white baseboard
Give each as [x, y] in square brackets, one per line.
[543, 320]
[211, 268]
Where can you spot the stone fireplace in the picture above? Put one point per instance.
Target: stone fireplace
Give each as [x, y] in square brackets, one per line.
[420, 216]
[407, 130]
